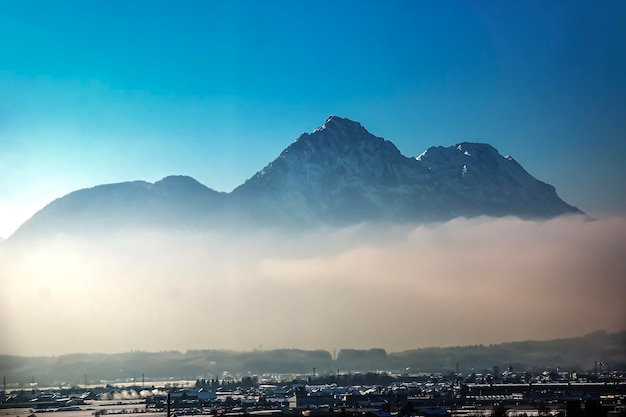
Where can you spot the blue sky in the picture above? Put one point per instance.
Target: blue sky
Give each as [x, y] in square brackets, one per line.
[108, 91]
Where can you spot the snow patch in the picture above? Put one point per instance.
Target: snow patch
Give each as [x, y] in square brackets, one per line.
[319, 129]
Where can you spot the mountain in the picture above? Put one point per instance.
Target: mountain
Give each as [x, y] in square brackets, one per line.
[174, 201]
[339, 174]
[342, 174]
[482, 181]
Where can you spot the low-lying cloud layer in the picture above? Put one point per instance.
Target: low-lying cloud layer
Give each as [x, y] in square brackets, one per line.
[462, 282]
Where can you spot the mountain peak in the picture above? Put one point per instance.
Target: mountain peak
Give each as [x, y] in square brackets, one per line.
[178, 181]
[460, 151]
[339, 123]
[338, 174]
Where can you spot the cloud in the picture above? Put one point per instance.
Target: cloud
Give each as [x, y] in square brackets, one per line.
[466, 281]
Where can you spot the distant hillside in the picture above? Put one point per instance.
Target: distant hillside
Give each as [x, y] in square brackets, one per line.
[569, 354]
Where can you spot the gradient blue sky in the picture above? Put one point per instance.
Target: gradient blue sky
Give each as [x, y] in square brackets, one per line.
[97, 92]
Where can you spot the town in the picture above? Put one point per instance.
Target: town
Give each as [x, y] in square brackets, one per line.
[598, 392]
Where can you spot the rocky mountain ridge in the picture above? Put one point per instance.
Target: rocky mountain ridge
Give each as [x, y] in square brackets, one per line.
[337, 175]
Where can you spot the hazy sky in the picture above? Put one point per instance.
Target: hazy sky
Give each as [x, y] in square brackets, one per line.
[457, 283]
[107, 91]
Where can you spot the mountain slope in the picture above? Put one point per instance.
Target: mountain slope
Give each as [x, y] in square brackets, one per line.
[488, 183]
[174, 201]
[339, 174]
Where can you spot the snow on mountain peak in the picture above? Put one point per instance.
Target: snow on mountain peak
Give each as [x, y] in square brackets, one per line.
[320, 128]
[337, 122]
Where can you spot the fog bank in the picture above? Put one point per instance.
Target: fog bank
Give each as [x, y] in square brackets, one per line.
[462, 282]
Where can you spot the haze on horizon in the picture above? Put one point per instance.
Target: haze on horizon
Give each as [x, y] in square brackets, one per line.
[467, 281]
[112, 91]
